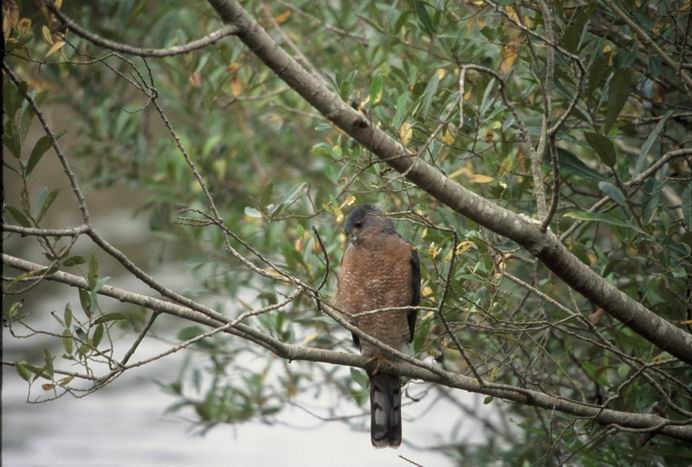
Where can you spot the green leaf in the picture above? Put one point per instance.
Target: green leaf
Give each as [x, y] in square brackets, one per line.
[114, 316]
[24, 370]
[359, 377]
[376, 89]
[424, 20]
[570, 164]
[603, 147]
[599, 217]
[47, 364]
[190, 332]
[650, 142]
[573, 34]
[402, 104]
[85, 301]
[18, 216]
[618, 91]
[93, 274]
[42, 145]
[429, 94]
[613, 192]
[487, 400]
[400, 21]
[266, 195]
[98, 335]
[68, 341]
[687, 206]
[45, 201]
[11, 139]
[597, 72]
[13, 97]
[74, 261]
[67, 316]
[13, 310]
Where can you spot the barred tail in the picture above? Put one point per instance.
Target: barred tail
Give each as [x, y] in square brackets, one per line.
[385, 410]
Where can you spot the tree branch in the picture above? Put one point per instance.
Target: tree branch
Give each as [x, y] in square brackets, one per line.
[544, 245]
[200, 43]
[629, 420]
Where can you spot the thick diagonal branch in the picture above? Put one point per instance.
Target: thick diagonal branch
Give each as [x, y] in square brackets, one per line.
[544, 245]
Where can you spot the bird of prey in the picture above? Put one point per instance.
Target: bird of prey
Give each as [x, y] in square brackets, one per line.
[379, 269]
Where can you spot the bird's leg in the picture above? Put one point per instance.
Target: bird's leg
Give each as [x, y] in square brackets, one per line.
[374, 363]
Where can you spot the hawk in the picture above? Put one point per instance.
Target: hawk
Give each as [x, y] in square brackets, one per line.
[379, 269]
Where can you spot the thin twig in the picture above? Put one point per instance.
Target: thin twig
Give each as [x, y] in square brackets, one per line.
[197, 44]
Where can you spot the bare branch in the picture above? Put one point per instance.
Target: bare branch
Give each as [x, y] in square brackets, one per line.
[643, 422]
[545, 246]
[197, 44]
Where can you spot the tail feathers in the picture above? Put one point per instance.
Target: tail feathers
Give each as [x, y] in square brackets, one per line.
[385, 410]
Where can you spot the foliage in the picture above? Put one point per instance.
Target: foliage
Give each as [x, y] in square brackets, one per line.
[275, 169]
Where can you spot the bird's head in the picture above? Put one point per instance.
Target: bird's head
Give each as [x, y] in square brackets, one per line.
[365, 220]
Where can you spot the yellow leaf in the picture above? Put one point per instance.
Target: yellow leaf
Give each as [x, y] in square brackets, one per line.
[233, 67]
[478, 178]
[195, 79]
[509, 55]
[6, 28]
[463, 247]
[282, 17]
[236, 87]
[406, 133]
[46, 34]
[506, 165]
[309, 338]
[512, 13]
[58, 4]
[65, 380]
[441, 73]
[448, 137]
[10, 17]
[466, 170]
[434, 250]
[426, 292]
[338, 214]
[350, 199]
[23, 26]
[57, 46]
[219, 166]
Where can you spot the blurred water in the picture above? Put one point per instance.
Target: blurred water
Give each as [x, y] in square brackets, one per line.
[125, 423]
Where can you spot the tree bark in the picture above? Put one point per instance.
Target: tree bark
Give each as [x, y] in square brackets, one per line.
[624, 420]
[544, 245]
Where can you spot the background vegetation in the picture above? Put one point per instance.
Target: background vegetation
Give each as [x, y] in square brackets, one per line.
[575, 114]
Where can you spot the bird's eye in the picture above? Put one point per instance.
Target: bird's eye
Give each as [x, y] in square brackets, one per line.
[358, 224]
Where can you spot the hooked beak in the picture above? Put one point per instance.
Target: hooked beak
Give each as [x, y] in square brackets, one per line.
[353, 239]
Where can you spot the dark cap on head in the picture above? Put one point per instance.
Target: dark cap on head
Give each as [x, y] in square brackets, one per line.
[367, 216]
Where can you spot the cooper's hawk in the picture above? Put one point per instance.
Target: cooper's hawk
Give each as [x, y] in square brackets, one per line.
[380, 269]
